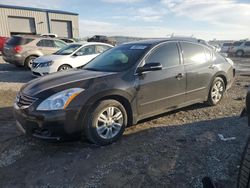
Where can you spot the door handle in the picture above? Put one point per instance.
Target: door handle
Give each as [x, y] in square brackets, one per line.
[211, 66]
[179, 76]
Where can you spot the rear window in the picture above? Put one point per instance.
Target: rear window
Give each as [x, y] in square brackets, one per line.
[19, 41]
[237, 43]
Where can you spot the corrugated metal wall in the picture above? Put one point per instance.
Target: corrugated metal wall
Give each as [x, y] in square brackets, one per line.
[41, 21]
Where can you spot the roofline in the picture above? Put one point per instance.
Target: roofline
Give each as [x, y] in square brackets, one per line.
[38, 9]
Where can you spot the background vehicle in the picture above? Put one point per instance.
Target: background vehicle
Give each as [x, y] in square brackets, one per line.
[51, 35]
[118, 88]
[2, 42]
[72, 56]
[240, 48]
[226, 47]
[22, 50]
[101, 38]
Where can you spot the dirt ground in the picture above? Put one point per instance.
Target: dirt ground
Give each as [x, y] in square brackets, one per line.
[175, 149]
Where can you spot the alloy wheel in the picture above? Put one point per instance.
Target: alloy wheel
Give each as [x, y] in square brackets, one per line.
[217, 91]
[109, 122]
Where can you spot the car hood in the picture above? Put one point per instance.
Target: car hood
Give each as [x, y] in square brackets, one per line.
[49, 58]
[62, 80]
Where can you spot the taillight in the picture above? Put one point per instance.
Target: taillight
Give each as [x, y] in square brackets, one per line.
[17, 49]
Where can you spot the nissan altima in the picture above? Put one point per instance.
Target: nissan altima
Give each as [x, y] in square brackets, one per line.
[123, 85]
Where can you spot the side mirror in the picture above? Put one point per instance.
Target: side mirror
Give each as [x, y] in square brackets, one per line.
[78, 54]
[149, 67]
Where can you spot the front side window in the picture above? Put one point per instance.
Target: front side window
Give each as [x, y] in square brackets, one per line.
[167, 55]
[87, 50]
[67, 50]
[193, 53]
[59, 44]
[237, 43]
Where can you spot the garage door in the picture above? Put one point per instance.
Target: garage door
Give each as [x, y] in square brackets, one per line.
[61, 28]
[20, 25]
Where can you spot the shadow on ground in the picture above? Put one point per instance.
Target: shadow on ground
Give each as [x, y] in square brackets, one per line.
[158, 156]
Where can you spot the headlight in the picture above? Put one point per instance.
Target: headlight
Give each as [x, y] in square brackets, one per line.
[59, 100]
[46, 64]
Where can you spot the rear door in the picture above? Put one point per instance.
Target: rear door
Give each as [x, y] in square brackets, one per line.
[163, 89]
[199, 67]
[48, 46]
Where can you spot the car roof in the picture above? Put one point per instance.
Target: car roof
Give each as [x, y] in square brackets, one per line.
[91, 43]
[161, 40]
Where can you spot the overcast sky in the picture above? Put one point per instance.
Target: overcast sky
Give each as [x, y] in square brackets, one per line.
[207, 19]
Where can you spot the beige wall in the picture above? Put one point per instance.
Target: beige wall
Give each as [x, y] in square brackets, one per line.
[39, 18]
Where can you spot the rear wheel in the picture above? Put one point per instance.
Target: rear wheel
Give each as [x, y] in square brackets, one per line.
[216, 92]
[106, 122]
[28, 62]
[244, 173]
[239, 53]
[64, 67]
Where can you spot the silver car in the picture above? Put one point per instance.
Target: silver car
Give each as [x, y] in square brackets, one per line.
[22, 50]
[240, 48]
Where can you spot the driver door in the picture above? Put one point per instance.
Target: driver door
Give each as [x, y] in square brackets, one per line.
[164, 89]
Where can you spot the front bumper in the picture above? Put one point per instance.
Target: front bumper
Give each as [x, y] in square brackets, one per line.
[42, 71]
[51, 125]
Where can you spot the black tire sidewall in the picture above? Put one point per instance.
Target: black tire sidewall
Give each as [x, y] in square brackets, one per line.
[90, 129]
[59, 69]
[242, 53]
[28, 60]
[210, 100]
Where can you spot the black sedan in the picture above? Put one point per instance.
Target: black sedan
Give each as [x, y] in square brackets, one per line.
[118, 88]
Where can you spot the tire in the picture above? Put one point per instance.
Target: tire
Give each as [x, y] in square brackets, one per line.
[28, 61]
[64, 67]
[239, 53]
[216, 91]
[244, 172]
[102, 128]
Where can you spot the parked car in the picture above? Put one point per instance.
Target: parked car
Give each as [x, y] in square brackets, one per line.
[101, 38]
[2, 42]
[67, 40]
[72, 56]
[51, 35]
[121, 86]
[226, 47]
[240, 48]
[22, 50]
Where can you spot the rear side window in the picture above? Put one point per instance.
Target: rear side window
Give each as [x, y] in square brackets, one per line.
[167, 55]
[247, 44]
[237, 43]
[101, 48]
[46, 43]
[19, 41]
[194, 53]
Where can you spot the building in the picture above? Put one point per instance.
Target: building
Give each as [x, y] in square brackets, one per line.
[25, 20]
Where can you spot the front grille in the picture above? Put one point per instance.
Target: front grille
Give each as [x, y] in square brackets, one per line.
[24, 100]
[34, 65]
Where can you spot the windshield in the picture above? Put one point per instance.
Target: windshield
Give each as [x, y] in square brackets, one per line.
[67, 50]
[118, 59]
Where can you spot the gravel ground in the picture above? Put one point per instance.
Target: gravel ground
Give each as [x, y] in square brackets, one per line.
[175, 149]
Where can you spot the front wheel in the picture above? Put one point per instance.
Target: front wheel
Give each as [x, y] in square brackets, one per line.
[216, 92]
[106, 122]
[64, 67]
